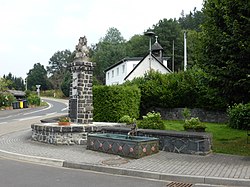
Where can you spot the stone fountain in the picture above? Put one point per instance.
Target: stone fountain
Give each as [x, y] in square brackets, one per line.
[80, 105]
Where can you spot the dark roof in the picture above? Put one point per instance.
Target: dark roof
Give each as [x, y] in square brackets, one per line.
[17, 93]
[143, 59]
[123, 60]
[156, 46]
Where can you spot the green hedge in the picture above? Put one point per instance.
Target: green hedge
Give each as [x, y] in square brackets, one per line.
[177, 90]
[113, 102]
[239, 116]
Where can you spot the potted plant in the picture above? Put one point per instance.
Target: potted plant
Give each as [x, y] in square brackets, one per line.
[194, 125]
[64, 121]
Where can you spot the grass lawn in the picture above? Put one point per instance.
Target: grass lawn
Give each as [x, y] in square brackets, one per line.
[225, 139]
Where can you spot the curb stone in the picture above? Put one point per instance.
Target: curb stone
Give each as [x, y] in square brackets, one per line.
[196, 180]
[160, 176]
[35, 159]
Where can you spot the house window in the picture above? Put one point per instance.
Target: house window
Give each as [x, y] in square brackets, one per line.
[123, 68]
[117, 71]
[108, 75]
[112, 73]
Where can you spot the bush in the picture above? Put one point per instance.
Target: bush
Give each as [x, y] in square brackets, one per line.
[193, 123]
[186, 113]
[33, 99]
[126, 119]
[6, 99]
[113, 102]
[51, 93]
[239, 116]
[152, 121]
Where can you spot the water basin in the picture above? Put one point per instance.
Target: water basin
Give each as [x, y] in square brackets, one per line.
[123, 145]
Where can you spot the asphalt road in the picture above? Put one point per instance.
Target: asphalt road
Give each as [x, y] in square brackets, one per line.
[23, 174]
[55, 107]
[20, 119]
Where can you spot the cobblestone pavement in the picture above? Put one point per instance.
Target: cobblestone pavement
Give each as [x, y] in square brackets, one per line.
[213, 165]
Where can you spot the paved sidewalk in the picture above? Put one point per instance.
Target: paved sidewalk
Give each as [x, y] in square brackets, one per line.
[211, 169]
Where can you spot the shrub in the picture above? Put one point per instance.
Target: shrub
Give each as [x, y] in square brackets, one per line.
[52, 93]
[113, 102]
[193, 123]
[152, 121]
[33, 99]
[186, 113]
[6, 99]
[239, 116]
[126, 119]
[64, 119]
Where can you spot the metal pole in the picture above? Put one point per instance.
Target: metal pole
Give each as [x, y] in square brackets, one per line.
[150, 34]
[185, 51]
[26, 85]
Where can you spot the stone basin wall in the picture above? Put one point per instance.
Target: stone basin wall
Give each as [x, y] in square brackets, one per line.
[171, 141]
[52, 133]
[199, 143]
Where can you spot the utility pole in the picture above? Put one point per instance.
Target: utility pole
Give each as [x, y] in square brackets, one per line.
[173, 58]
[185, 50]
[26, 85]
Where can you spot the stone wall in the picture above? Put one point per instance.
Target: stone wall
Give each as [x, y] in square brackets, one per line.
[204, 115]
[59, 135]
[174, 141]
[52, 133]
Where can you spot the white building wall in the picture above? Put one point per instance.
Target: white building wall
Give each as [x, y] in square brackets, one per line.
[145, 66]
[114, 78]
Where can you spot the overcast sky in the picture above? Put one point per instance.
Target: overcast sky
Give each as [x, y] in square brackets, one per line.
[31, 31]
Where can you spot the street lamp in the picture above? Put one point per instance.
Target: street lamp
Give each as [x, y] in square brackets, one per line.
[150, 34]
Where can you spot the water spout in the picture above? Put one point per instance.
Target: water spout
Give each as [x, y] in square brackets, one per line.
[133, 131]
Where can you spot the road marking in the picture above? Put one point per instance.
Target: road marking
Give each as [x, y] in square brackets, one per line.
[49, 114]
[50, 105]
[3, 122]
[64, 109]
[33, 117]
[6, 117]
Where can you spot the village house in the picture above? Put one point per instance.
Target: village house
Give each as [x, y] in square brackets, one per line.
[130, 68]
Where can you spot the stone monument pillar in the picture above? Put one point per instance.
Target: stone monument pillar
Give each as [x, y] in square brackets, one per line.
[81, 96]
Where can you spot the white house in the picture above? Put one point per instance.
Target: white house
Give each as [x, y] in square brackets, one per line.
[130, 68]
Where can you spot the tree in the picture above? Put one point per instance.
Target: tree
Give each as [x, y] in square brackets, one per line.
[107, 52]
[113, 36]
[14, 82]
[38, 76]
[193, 47]
[226, 48]
[169, 31]
[65, 86]
[191, 21]
[137, 46]
[4, 83]
[58, 67]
